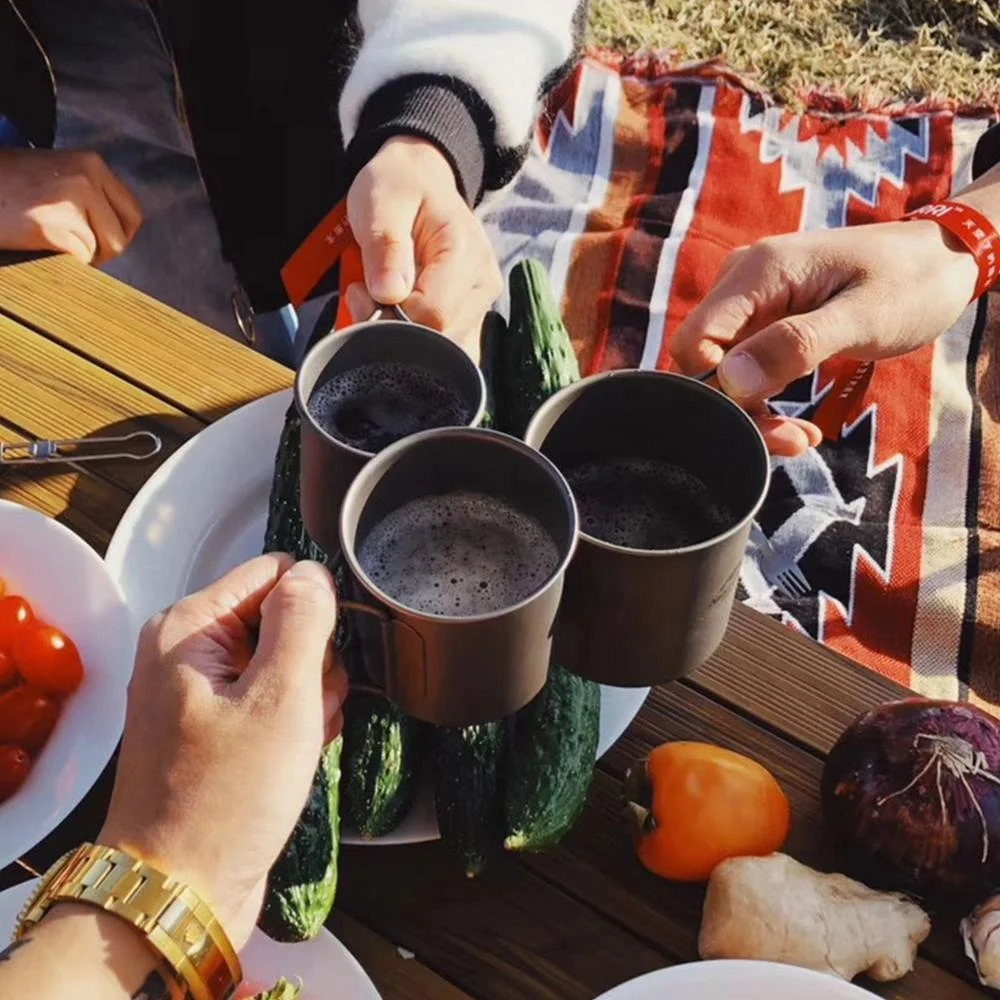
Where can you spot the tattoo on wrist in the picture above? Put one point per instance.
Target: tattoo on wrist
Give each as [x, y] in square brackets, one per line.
[154, 988]
[8, 953]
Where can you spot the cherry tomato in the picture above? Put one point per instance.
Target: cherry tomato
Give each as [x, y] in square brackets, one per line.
[47, 658]
[8, 672]
[27, 717]
[15, 613]
[14, 767]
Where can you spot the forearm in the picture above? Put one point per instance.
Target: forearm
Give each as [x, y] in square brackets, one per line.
[479, 68]
[80, 952]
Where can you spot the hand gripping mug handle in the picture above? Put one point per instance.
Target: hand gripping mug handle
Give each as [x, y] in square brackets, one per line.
[391, 629]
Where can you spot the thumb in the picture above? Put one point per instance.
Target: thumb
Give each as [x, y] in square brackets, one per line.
[382, 222]
[298, 618]
[767, 361]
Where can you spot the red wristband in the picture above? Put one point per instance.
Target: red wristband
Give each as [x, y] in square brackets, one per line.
[973, 230]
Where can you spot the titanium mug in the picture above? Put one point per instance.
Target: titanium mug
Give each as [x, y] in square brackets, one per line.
[634, 617]
[451, 670]
[328, 465]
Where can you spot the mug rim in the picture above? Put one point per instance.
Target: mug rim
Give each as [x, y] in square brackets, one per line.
[632, 373]
[387, 455]
[356, 329]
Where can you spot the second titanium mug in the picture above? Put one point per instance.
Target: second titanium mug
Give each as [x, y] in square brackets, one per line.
[633, 617]
[329, 465]
[451, 670]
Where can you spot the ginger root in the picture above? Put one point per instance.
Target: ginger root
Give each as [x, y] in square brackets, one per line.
[778, 910]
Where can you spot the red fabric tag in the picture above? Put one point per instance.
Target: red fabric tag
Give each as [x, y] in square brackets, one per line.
[842, 404]
[320, 251]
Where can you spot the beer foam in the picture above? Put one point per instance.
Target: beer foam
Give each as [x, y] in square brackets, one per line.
[458, 554]
[645, 503]
[374, 405]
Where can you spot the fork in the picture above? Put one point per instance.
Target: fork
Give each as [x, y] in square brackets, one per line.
[787, 579]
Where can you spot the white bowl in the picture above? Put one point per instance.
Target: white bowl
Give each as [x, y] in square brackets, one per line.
[69, 586]
[736, 980]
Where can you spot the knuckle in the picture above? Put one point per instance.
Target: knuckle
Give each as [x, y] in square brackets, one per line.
[152, 629]
[89, 161]
[801, 341]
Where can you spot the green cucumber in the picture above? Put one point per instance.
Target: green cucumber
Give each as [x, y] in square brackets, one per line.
[383, 753]
[492, 340]
[537, 357]
[284, 532]
[302, 883]
[551, 761]
[469, 772]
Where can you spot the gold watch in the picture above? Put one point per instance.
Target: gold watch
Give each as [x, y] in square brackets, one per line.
[175, 922]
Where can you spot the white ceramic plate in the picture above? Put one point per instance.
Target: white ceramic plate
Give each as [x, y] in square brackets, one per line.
[204, 512]
[325, 967]
[733, 980]
[69, 586]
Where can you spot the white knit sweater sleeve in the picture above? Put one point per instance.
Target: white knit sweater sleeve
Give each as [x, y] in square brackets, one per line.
[502, 49]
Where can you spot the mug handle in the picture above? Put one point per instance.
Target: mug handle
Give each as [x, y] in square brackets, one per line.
[389, 658]
[397, 309]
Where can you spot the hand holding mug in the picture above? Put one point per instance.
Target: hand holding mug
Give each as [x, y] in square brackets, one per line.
[233, 696]
[421, 245]
[784, 305]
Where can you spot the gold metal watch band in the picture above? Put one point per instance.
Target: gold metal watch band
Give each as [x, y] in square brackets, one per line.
[176, 923]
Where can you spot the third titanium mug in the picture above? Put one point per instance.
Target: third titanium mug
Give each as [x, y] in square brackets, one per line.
[635, 617]
[452, 670]
[328, 465]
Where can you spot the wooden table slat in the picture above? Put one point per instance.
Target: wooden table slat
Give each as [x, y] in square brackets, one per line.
[59, 394]
[140, 339]
[789, 682]
[87, 505]
[393, 974]
[506, 936]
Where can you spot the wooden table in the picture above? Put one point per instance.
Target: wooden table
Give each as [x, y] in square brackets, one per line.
[81, 354]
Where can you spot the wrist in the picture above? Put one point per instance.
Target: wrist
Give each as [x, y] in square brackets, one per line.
[948, 261]
[160, 853]
[127, 953]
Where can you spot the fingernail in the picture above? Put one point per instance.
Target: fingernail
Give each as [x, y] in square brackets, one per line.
[307, 570]
[741, 376]
[391, 286]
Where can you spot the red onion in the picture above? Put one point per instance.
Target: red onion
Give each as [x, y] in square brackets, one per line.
[912, 790]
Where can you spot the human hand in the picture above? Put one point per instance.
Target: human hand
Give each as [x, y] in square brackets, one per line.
[421, 245]
[782, 306]
[69, 202]
[221, 738]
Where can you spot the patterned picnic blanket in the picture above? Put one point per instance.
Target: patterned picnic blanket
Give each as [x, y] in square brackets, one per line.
[640, 181]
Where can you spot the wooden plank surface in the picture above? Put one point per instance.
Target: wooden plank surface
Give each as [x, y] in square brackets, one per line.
[132, 335]
[395, 972]
[566, 924]
[89, 506]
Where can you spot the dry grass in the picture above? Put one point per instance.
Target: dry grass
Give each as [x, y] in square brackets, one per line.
[871, 51]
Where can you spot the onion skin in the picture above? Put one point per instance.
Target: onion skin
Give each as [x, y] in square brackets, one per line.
[900, 837]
